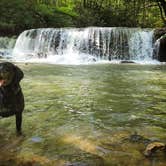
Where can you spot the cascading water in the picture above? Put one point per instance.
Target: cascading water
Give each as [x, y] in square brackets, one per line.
[82, 45]
[6, 46]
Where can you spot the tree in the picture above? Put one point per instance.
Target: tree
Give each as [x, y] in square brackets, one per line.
[18, 15]
[162, 7]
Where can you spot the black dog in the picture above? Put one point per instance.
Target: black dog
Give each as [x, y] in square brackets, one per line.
[11, 96]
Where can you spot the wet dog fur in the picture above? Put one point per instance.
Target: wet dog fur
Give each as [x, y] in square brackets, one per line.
[11, 96]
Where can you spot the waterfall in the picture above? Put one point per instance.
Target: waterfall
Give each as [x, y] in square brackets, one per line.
[82, 45]
[6, 46]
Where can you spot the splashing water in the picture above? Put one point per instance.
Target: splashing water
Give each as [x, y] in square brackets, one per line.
[84, 45]
[6, 46]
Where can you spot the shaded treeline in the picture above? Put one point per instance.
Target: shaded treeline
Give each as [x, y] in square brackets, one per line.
[18, 15]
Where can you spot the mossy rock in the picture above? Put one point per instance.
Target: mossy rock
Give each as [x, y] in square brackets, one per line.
[162, 49]
[159, 32]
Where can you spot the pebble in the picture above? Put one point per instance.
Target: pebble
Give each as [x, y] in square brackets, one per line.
[36, 139]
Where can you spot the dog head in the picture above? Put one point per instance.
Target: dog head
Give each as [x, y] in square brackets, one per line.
[9, 74]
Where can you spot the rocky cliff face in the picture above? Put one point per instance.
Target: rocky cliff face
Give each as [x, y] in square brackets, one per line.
[159, 32]
[160, 37]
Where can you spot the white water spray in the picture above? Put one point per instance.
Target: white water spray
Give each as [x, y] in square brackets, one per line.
[84, 45]
[6, 46]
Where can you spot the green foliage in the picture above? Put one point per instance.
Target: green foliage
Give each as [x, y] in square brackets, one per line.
[68, 11]
[88, 18]
[18, 15]
[53, 17]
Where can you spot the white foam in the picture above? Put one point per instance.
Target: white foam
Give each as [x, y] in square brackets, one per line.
[85, 46]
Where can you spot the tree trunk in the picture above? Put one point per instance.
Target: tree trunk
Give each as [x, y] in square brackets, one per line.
[162, 7]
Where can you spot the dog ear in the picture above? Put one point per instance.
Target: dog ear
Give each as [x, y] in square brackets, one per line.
[18, 75]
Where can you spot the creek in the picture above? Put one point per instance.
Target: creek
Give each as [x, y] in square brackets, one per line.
[85, 114]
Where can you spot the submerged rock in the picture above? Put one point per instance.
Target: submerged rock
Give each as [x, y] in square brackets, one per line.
[76, 164]
[36, 139]
[153, 147]
[127, 61]
[138, 139]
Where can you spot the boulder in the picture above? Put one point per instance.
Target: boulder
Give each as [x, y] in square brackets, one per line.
[162, 49]
[127, 61]
[160, 37]
[159, 32]
[153, 147]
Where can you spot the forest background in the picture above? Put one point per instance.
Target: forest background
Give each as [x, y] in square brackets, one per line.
[18, 15]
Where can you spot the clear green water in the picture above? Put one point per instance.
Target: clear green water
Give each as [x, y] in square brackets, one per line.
[85, 115]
